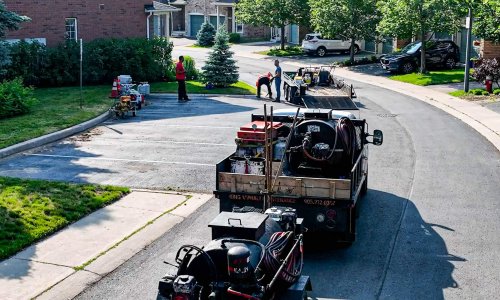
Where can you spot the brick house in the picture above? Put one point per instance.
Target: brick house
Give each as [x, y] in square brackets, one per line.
[54, 21]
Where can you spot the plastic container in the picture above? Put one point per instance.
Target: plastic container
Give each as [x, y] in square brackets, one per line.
[125, 79]
[279, 149]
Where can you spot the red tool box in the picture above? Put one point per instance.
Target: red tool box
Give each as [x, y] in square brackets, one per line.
[255, 131]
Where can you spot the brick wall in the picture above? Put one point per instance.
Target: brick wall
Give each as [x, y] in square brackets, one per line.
[253, 31]
[116, 18]
[489, 49]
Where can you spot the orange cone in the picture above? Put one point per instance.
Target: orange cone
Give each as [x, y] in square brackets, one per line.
[114, 90]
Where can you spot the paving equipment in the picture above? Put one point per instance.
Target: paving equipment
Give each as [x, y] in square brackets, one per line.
[251, 256]
[315, 163]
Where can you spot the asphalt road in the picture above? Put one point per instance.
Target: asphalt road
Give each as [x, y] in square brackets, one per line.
[428, 227]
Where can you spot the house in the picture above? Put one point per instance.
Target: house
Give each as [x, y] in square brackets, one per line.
[54, 21]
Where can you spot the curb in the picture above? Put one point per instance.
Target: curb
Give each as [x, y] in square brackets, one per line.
[52, 137]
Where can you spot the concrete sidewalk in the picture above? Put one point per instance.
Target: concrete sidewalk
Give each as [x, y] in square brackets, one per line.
[63, 265]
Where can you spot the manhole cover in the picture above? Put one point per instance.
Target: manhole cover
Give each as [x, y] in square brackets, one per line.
[387, 115]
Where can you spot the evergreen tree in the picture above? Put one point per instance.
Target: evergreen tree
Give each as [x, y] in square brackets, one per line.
[206, 35]
[220, 68]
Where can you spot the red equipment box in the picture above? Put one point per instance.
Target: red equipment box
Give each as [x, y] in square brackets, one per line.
[255, 131]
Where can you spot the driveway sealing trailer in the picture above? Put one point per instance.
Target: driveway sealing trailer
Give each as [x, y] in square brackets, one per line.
[317, 87]
[319, 168]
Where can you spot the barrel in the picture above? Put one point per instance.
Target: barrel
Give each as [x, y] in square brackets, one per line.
[256, 166]
[238, 164]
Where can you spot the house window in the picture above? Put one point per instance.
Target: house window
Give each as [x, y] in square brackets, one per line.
[71, 29]
[238, 27]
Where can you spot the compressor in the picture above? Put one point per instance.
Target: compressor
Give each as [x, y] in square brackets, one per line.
[250, 257]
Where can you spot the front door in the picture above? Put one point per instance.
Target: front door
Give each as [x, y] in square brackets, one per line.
[195, 24]
[213, 20]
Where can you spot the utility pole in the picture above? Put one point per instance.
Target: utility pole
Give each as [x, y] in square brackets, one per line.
[468, 25]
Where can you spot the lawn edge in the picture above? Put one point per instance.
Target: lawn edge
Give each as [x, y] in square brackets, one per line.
[54, 136]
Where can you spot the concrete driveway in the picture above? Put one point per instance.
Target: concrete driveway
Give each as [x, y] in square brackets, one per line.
[168, 145]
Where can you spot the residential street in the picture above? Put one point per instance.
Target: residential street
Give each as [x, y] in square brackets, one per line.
[428, 226]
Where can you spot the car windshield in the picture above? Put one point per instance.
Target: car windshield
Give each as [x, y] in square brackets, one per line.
[411, 48]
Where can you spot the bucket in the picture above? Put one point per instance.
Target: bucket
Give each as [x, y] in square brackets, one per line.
[256, 166]
[238, 164]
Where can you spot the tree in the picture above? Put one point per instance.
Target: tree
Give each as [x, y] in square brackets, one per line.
[220, 68]
[410, 18]
[354, 19]
[273, 13]
[9, 20]
[487, 19]
[206, 35]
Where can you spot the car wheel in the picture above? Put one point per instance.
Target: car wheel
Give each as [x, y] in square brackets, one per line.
[321, 51]
[407, 68]
[450, 63]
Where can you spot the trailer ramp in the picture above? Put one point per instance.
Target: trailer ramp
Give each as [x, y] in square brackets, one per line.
[329, 102]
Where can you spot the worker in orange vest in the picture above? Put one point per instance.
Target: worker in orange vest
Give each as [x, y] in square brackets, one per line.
[265, 80]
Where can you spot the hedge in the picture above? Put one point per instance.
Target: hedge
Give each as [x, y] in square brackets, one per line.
[103, 60]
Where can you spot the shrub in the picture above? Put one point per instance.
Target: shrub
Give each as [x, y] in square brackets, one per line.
[190, 68]
[374, 58]
[16, 99]
[234, 37]
[485, 93]
[477, 92]
[220, 68]
[103, 60]
[487, 67]
[206, 35]
[496, 92]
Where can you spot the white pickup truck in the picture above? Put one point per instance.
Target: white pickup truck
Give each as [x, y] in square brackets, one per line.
[313, 43]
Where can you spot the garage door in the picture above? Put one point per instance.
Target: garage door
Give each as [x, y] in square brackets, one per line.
[294, 34]
[213, 20]
[370, 45]
[195, 22]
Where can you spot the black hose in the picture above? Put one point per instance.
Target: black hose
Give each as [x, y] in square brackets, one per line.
[202, 252]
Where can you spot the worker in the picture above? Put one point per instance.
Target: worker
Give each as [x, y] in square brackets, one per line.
[265, 80]
[180, 76]
[277, 80]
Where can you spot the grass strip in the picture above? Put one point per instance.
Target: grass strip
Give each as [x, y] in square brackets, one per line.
[197, 87]
[433, 77]
[57, 109]
[33, 209]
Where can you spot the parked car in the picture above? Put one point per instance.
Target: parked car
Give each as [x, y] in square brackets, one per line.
[313, 43]
[438, 53]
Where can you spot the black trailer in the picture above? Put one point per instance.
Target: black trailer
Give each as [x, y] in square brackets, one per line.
[324, 187]
[317, 87]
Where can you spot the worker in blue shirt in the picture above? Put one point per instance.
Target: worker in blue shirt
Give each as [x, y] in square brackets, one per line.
[277, 80]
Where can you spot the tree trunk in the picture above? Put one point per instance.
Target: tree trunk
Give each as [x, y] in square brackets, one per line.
[423, 67]
[283, 37]
[353, 42]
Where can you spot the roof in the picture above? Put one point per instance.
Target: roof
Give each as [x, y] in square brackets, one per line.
[178, 2]
[225, 2]
[160, 7]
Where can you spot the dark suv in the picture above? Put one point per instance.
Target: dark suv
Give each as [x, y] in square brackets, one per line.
[438, 53]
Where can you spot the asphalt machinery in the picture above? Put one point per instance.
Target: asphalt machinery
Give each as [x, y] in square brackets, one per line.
[295, 172]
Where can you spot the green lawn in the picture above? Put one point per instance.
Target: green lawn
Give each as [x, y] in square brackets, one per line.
[196, 87]
[433, 77]
[474, 92]
[57, 108]
[33, 209]
[289, 51]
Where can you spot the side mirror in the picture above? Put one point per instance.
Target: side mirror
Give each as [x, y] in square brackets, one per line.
[378, 137]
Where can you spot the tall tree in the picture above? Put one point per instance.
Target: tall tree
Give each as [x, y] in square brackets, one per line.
[410, 18]
[273, 13]
[9, 20]
[487, 19]
[354, 19]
